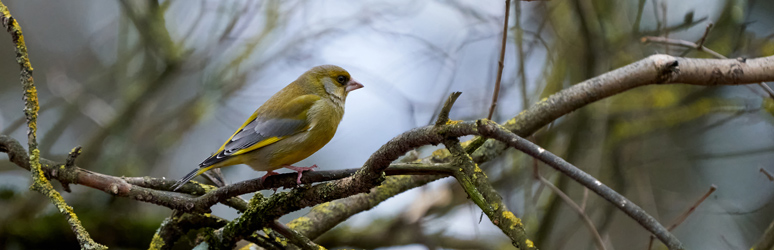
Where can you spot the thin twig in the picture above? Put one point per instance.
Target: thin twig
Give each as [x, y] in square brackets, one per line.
[679, 220]
[681, 43]
[500, 62]
[521, 56]
[767, 174]
[443, 116]
[579, 209]
[664, 16]
[69, 165]
[700, 43]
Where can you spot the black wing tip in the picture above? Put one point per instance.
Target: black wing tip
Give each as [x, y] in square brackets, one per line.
[185, 180]
[212, 160]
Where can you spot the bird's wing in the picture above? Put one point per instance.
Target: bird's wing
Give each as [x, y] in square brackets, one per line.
[259, 130]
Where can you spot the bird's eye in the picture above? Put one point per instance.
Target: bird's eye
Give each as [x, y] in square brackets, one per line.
[341, 79]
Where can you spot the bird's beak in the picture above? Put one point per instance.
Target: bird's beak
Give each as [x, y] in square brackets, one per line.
[353, 85]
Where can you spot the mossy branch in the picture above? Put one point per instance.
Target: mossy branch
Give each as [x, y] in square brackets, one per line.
[178, 225]
[31, 107]
[477, 185]
[479, 189]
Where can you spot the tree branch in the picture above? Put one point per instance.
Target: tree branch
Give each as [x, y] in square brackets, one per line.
[494, 131]
[477, 185]
[39, 181]
[656, 69]
[700, 47]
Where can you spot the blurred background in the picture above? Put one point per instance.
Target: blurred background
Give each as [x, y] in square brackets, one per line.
[152, 88]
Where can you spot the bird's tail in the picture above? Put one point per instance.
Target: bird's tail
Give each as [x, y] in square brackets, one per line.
[190, 176]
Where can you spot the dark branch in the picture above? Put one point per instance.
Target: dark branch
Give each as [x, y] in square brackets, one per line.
[494, 131]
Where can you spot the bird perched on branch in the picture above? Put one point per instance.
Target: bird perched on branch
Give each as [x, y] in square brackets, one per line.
[289, 127]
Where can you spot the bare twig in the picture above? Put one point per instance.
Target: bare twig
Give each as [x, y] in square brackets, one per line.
[679, 220]
[520, 49]
[500, 62]
[682, 43]
[638, 18]
[767, 174]
[31, 107]
[68, 166]
[443, 116]
[579, 209]
[700, 43]
[664, 16]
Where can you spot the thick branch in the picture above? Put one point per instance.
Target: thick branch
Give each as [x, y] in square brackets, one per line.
[325, 216]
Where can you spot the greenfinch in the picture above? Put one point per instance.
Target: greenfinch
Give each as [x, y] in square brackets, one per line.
[289, 127]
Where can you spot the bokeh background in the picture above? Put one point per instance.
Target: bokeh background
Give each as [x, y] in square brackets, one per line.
[152, 88]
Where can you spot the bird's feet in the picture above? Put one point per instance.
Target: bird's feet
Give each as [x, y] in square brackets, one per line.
[269, 173]
[300, 170]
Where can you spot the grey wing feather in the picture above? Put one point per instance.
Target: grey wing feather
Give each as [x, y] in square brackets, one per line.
[255, 132]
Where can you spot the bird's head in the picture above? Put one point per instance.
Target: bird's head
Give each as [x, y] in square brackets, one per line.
[334, 80]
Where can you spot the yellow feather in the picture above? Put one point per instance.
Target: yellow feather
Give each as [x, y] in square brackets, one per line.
[261, 144]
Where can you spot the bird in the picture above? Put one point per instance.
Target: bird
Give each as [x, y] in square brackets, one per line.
[290, 126]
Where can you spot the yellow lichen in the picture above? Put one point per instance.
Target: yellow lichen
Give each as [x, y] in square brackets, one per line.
[324, 208]
[301, 221]
[282, 242]
[529, 243]
[516, 221]
[452, 122]
[157, 242]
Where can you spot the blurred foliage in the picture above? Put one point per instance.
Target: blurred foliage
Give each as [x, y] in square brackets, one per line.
[135, 81]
